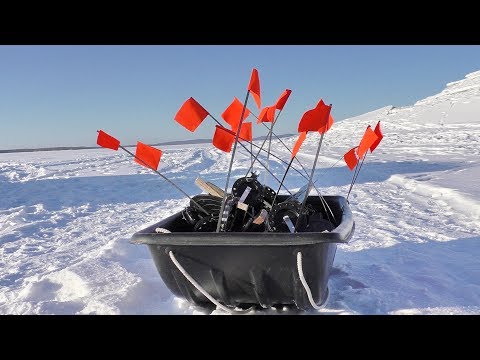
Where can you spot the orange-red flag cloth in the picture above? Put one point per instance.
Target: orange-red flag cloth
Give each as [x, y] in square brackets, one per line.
[191, 114]
[283, 99]
[149, 155]
[316, 118]
[267, 114]
[107, 141]
[298, 143]
[254, 87]
[233, 113]
[369, 137]
[377, 131]
[245, 132]
[327, 126]
[351, 159]
[223, 138]
[262, 117]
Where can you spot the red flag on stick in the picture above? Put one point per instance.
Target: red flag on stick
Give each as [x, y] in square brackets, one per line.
[298, 143]
[283, 99]
[191, 114]
[107, 141]
[316, 118]
[369, 137]
[350, 158]
[262, 117]
[245, 132]
[148, 154]
[223, 138]
[267, 114]
[254, 87]
[233, 112]
[378, 132]
[327, 126]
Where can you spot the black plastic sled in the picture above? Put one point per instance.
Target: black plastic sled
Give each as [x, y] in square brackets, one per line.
[244, 269]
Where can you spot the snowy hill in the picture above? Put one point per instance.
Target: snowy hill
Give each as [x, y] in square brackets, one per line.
[66, 216]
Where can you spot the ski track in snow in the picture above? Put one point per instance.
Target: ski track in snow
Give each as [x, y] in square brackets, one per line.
[66, 217]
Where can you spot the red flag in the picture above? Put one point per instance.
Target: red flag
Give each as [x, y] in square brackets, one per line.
[271, 114]
[267, 114]
[149, 155]
[351, 159]
[107, 141]
[233, 113]
[254, 87]
[223, 138]
[283, 99]
[327, 126]
[369, 137]
[298, 143]
[316, 118]
[245, 132]
[378, 132]
[262, 117]
[191, 114]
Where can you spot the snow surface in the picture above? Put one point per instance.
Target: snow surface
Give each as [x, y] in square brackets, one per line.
[66, 217]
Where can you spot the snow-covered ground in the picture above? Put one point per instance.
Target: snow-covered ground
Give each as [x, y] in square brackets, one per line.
[66, 217]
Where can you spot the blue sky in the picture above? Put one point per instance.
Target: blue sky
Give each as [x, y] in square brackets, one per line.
[60, 95]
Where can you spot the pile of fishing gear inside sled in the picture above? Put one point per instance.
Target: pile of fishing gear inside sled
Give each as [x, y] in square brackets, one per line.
[253, 207]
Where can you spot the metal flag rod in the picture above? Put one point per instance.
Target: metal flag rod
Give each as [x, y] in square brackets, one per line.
[283, 179]
[310, 180]
[256, 156]
[322, 199]
[268, 150]
[355, 175]
[324, 202]
[258, 147]
[270, 132]
[167, 179]
[269, 136]
[251, 153]
[219, 223]
[269, 171]
[248, 151]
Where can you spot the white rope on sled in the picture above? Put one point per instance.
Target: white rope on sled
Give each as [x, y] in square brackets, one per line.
[305, 285]
[202, 290]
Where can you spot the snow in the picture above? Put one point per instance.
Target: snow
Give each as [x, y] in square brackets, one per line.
[66, 217]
